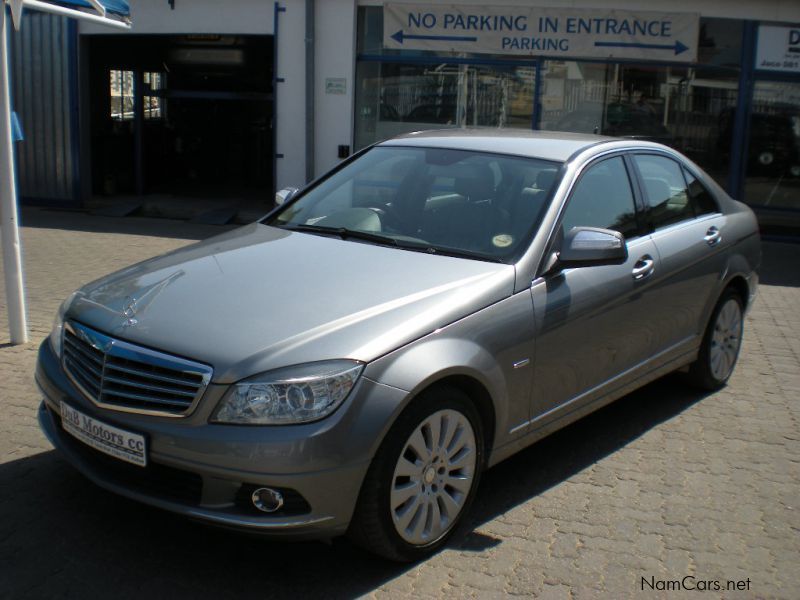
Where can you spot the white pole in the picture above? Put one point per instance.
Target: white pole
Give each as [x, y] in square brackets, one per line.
[9, 223]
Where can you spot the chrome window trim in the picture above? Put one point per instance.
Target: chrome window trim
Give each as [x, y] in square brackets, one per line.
[685, 223]
[581, 162]
[122, 349]
[576, 175]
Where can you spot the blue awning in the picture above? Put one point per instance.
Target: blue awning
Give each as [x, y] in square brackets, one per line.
[117, 7]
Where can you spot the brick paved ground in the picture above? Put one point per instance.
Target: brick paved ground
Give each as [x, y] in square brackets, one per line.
[664, 483]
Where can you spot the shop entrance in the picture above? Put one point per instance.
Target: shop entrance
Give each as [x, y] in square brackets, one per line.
[186, 119]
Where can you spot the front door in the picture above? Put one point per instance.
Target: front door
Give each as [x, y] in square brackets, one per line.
[592, 323]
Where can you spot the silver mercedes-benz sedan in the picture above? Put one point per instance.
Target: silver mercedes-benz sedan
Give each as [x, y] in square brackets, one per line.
[352, 362]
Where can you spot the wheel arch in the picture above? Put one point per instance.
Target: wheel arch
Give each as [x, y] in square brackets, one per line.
[737, 282]
[480, 398]
[740, 285]
[467, 383]
[463, 365]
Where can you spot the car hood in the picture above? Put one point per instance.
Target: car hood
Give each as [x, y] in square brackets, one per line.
[260, 297]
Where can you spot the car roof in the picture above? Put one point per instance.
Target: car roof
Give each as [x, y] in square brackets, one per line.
[549, 145]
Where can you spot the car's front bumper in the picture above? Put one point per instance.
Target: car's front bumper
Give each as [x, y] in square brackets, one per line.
[208, 471]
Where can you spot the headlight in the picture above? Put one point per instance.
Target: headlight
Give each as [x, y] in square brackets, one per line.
[57, 333]
[296, 394]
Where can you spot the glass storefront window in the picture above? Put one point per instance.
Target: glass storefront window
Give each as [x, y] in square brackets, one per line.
[664, 104]
[154, 105]
[121, 95]
[394, 98]
[690, 107]
[773, 156]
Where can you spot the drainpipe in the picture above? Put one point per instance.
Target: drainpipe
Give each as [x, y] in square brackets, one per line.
[310, 50]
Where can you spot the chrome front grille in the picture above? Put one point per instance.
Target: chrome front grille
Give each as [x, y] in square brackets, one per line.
[122, 376]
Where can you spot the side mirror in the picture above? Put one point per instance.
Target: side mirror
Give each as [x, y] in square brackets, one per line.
[284, 195]
[592, 246]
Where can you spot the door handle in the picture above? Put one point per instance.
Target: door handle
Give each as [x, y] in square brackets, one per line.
[643, 267]
[713, 236]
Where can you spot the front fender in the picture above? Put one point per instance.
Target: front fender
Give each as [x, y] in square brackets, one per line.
[423, 364]
[484, 347]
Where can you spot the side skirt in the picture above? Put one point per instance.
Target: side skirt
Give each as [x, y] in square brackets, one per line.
[578, 408]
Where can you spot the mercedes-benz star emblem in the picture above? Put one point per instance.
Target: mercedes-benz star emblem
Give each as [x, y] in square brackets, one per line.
[130, 312]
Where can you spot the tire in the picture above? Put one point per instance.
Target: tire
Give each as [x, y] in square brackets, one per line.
[421, 481]
[721, 344]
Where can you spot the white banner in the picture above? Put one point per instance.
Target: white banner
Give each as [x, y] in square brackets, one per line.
[552, 32]
[778, 49]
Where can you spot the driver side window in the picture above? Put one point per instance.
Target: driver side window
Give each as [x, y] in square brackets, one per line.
[603, 198]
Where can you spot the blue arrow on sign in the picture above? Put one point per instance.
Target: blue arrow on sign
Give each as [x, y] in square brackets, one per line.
[400, 36]
[678, 47]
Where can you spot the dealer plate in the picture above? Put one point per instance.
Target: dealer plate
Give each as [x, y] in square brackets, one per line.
[121, 444]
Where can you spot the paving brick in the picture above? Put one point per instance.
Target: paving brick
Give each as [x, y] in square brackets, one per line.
[665, 483]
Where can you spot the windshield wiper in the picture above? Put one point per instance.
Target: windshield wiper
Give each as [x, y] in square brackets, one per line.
[455, 252]
[420, 246]
[344, 233]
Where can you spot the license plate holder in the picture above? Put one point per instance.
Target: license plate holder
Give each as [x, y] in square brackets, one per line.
[121, 444]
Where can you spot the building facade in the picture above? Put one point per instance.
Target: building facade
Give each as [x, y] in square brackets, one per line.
[236, 99]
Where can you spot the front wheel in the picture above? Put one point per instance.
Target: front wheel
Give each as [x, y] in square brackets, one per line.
[721, 343]
[423, 478]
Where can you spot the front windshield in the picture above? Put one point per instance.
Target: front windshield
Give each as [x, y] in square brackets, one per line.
[456, 202]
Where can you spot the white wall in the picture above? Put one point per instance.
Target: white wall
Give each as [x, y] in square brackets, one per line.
[195, 16]
[335, 58]
[290, 95]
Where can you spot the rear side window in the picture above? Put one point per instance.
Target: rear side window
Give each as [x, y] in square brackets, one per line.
[665, 190]
[701, 198]
[603, 198]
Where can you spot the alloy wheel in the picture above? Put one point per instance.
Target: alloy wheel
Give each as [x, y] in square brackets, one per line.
[726, 339]
[433, 477]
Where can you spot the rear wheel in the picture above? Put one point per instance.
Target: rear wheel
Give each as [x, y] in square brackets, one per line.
[721, 344]
[423, 478]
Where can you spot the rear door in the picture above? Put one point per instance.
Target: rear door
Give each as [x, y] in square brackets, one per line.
[689, 233]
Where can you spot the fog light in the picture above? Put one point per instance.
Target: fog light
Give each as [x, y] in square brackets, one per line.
[267, 500]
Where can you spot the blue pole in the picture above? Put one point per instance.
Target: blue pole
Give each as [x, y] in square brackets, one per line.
[741, 120]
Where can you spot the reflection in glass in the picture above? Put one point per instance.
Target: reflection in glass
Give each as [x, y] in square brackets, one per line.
[773, 157]
[436, 200]
[394, 98]
[668, 105]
